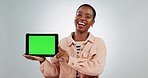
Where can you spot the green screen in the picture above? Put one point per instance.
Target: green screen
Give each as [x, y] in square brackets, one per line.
[42, 45]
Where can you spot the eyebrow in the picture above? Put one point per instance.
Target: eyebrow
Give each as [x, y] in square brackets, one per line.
[88, 14]
[82, 13]
[79, 12]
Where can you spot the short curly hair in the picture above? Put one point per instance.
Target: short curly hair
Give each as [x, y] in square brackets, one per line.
[94, 12]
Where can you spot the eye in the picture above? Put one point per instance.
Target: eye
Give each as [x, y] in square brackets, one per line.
[79, 14]
[87, 16]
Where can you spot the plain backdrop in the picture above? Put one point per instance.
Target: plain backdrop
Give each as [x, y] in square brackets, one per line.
[122, 24]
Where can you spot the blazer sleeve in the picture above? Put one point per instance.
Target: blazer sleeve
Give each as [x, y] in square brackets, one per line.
[50, 69]
[92, 65]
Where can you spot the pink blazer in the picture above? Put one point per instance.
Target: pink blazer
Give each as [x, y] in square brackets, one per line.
[90, 61]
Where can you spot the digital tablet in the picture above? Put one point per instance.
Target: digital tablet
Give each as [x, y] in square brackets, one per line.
[45, 45]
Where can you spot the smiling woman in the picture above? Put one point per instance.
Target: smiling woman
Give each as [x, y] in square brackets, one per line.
[85, 16]
[80, 55]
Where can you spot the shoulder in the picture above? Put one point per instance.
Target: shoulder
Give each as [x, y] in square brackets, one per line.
[99, 42]
[63, 43]
[63, 40]
[98, 39]
[66, 40]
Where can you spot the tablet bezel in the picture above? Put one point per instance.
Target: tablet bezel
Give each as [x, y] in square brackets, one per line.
[41, 55]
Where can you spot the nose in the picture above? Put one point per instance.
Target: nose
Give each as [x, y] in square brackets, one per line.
[82, 18]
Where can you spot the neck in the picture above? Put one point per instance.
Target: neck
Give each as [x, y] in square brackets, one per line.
[78, 36]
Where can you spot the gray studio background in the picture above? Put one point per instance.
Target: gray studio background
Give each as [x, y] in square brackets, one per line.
[121, 23]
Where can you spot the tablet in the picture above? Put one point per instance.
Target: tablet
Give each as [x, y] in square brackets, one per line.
[45, 45]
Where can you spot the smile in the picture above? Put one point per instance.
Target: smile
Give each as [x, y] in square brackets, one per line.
[81, 24]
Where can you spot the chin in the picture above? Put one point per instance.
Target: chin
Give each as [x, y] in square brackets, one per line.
[80, 31]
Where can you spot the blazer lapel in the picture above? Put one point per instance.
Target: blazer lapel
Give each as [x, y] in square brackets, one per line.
[86, 50]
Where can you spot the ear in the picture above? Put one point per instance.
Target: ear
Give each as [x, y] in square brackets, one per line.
[93, 21]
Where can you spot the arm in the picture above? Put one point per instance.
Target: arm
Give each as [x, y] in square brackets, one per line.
[94, 64]
[50, 69]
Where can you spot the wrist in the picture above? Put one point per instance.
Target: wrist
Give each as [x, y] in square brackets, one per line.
[42, 60]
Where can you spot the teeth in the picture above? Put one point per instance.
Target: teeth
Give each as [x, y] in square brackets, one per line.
[81, 23]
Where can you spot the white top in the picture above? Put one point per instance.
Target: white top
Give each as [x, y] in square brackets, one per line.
[78, 46]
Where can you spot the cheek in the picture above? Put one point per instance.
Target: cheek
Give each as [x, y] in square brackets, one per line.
[75, 19]
[90, 22]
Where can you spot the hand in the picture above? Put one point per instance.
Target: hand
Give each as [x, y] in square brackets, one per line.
[36, 58]
[62, 55]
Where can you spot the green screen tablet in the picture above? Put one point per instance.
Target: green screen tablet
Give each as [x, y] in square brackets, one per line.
[41, 44]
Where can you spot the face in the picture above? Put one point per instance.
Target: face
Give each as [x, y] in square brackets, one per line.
[84, 19]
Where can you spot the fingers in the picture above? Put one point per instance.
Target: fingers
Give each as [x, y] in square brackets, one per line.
[32, 57]
[26, 56]
[61, 50]
[59, 55]
[62, 55]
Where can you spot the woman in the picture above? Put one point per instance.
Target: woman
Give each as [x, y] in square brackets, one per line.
[81, 55]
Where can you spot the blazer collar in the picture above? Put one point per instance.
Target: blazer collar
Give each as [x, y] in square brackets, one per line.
[71, 41]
